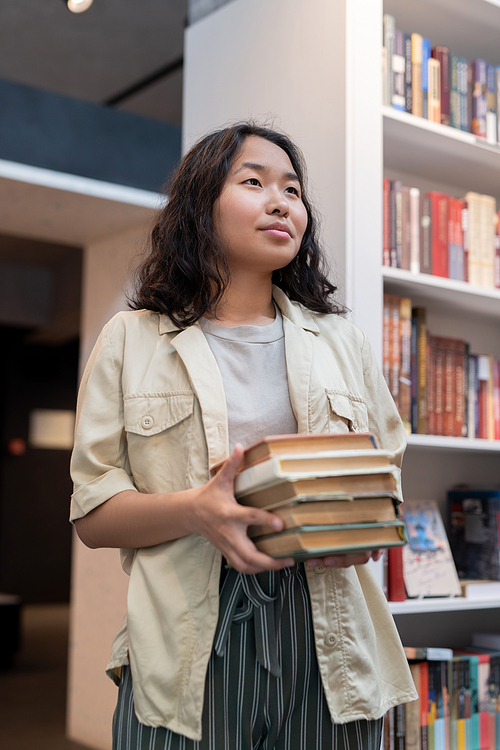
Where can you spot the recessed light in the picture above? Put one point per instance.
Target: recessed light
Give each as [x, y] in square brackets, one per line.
[78, 6]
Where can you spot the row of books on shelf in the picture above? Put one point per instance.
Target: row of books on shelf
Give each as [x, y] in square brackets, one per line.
[430, 565]
[439, 386]
[443, 87]
[440, 235]
[458, 705]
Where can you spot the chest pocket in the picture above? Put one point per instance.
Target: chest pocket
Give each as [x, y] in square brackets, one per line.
[150, 414]
[347, 413]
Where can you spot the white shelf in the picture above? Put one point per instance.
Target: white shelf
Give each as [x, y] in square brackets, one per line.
[438, 152]
[445, 604]
[442, 442]
[443, 293]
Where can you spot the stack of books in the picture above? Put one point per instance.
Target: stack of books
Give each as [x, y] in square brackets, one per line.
[337, 494]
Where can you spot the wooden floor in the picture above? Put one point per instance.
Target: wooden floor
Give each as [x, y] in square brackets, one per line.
[33, 693]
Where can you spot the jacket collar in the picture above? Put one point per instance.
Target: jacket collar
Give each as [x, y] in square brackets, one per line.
[296, 314]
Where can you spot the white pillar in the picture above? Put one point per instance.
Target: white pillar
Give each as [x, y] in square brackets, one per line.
[99, 586]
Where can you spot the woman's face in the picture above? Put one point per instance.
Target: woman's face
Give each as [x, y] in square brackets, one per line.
[259, 216]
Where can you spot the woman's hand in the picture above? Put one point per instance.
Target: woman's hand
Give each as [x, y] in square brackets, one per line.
[224, 522]
[344, 561]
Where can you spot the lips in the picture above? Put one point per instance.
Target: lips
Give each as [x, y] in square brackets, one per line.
[278, 230]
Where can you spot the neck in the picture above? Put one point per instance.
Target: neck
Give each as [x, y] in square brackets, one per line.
[246, 302]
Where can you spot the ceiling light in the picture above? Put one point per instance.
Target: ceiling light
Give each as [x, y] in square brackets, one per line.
[78, 6]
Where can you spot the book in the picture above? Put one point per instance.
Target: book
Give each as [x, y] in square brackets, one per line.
[389, 34]
[396, 591]
[439, 233]
[408, 74]
[434, 105]
[415, 230]
[428, 565]
[419, 314]
[491, 107]
[474, 538]
[405, 228]
[454, 92]
[287, 445]
[386, 259]
[266, 485]
[405, 362]
[413, 714]
[428, 652]
[479, 99]
[425, 74]
[425, 235]
[416, 71]
[443, 55]
[312, 541]
[307, 512]
[398, 72]
[480, 590]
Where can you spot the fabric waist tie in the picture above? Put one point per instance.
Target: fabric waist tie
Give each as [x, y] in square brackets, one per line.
[248, 591]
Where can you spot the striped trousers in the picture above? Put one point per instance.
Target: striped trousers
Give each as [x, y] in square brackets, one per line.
[247, 707]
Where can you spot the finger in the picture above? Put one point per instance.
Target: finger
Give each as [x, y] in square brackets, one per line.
[258, 517]
[246, 558]
[377, 554]
[345, 561]
[229, 468]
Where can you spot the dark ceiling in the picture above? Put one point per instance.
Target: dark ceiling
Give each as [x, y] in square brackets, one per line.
[98, 55]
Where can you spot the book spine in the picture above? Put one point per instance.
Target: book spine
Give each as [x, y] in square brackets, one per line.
[408, 75]
[386, 258]
[449, 388]
[460, 357]
[490, 414]
[474, 273]
[496, 398]
[439, 380]
[497, 251]
[479, 103]
[439, 227]
[416, 68]
[454, 93]
[483, 375]
[464, 95]
[426, 235]
[398, 70]
[497, 82]
[425, 77]
[459, 240]
[394, 350]
[389, 35]
[396, 591]
[414, 374]
[465, 239]
[405, 362]
[443, 55]
[487, 240]
[452, 248]
[491, 114]
[400, 729]
[470, 96]
[405, 228]
[413, 714]
[389, 729]
[399, 221]
[415, 232]
[431, 385]
[424, 697]
[394, 186]
[434, 90]
[422, 367]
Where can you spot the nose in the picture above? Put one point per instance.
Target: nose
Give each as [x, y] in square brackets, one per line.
[278, 203]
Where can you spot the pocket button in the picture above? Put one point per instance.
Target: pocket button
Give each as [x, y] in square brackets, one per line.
[319, 569]
[331, 640]
[147, 422]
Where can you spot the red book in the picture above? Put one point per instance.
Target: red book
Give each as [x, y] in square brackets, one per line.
[396, 591]
[443, 55]
[439, 229]
[386, 258]
[449, 387]
[496, 398]
[439, 386]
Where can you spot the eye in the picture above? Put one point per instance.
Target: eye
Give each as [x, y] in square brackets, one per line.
[251, 181]
[293, 190]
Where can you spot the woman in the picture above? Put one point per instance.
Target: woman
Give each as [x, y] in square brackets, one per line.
[233, 336]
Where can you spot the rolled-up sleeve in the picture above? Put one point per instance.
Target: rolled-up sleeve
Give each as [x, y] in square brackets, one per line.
[99, 464]
[384, 420]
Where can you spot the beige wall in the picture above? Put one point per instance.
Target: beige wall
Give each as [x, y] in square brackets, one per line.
[99, 586]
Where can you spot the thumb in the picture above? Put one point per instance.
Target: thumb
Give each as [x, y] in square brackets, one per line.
[229, 468]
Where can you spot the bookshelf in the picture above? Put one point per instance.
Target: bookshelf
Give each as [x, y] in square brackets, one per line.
[431, 156]
[314, 70]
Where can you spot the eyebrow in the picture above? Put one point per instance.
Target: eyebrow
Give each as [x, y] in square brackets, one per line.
[261, 168]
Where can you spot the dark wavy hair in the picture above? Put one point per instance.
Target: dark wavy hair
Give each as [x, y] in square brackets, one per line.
[186, 271]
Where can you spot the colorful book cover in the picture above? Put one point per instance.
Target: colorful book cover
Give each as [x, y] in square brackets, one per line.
[427, 561]
[426, 54]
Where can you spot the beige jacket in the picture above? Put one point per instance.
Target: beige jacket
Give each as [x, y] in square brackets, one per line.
[152, 417]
